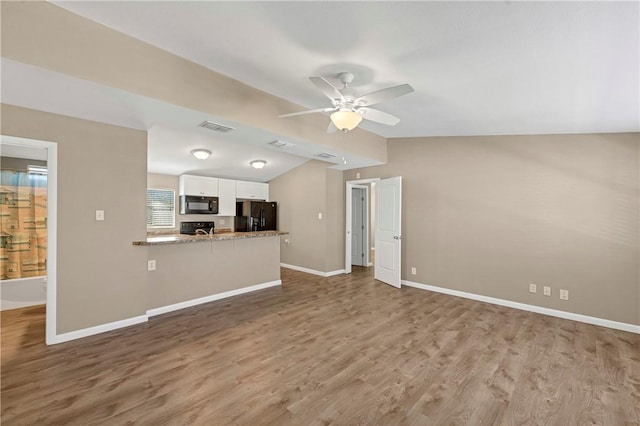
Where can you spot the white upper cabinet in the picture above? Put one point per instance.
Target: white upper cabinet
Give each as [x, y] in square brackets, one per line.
[227, 190]
[226, 197]
[198, 185]
[252, 190]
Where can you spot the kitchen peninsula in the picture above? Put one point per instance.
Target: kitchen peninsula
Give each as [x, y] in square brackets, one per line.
[162, 239]
[195, 269]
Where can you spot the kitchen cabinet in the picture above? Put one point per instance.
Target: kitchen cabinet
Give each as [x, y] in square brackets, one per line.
[226, 197]
[252, 190]
[198, 185]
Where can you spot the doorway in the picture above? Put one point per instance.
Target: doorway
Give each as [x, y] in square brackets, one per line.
[387, 239]
[360, 225]
[31, 236]
[358, 220]
[23, 226]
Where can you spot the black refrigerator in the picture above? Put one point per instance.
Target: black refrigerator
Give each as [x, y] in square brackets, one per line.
[256, 216]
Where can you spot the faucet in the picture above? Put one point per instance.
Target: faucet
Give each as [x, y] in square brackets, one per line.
[203, 232]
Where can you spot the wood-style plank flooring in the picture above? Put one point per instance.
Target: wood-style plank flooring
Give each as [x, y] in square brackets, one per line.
[344, 350]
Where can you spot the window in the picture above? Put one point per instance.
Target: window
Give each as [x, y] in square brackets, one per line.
[161, 208]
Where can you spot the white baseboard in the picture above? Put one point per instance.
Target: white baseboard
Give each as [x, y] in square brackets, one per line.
[313, 271]
[211, 298]
[531, 308]
[102, 328]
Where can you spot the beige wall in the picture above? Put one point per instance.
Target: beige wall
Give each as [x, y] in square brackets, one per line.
[335, 214]
[302, 193]
[47, 36]
[101, 276]
[160, 181]
[190, 271]
[489, 215]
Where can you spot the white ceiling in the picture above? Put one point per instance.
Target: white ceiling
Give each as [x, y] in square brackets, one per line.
[478, 68]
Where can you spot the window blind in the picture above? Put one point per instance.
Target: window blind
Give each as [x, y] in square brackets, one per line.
[160, 208]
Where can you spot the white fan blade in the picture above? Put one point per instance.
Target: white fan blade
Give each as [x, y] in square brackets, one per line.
[329, 90]
[311, 111]
[332, 127]
[378, 116]
[384, 95]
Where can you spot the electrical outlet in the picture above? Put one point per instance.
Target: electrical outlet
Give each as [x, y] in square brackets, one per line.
[547, 290]
[413, 270]
[100, 215]
[151, 265]
[320, 216]
[532, 288]
[358, 175]
[564, 294]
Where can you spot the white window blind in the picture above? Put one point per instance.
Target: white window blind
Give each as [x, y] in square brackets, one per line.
[160, 208]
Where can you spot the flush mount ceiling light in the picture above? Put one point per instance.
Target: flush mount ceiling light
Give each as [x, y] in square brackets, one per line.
[201, 154]
[345, 119]
[258, 164]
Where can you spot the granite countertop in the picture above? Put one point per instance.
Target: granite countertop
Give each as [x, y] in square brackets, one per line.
[182, 238]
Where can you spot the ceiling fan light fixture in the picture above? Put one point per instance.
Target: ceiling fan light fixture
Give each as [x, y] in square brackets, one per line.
[258, 164]
[201, 154]
[346, 119]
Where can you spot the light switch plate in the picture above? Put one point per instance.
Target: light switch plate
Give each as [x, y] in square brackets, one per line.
[319, 215]
[151, 265]
[100, 215]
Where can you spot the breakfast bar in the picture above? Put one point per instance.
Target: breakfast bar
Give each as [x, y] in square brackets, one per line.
[163, 239]
[195, 269]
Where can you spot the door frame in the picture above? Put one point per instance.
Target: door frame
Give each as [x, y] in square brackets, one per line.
[350, 184]
[52, 227]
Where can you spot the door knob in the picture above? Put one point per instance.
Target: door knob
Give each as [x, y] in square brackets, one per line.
[397, 237]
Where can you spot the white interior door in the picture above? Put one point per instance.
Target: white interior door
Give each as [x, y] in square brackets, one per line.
[357, 227]
[388, 226]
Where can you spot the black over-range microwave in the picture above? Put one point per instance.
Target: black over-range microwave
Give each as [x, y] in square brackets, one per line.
[196, 204]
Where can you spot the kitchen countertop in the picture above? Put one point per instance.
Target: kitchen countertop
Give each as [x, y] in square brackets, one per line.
[183, 239]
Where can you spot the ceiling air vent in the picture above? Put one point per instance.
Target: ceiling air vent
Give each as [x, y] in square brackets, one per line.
[216, 127]
[282, 144]
[326, 155]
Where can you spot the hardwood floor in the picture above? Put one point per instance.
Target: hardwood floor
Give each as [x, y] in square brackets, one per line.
[343, 350]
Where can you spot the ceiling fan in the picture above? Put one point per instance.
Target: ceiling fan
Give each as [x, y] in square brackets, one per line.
[349, 108]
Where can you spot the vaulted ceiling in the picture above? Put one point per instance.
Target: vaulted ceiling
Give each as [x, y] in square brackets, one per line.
[478, 68]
